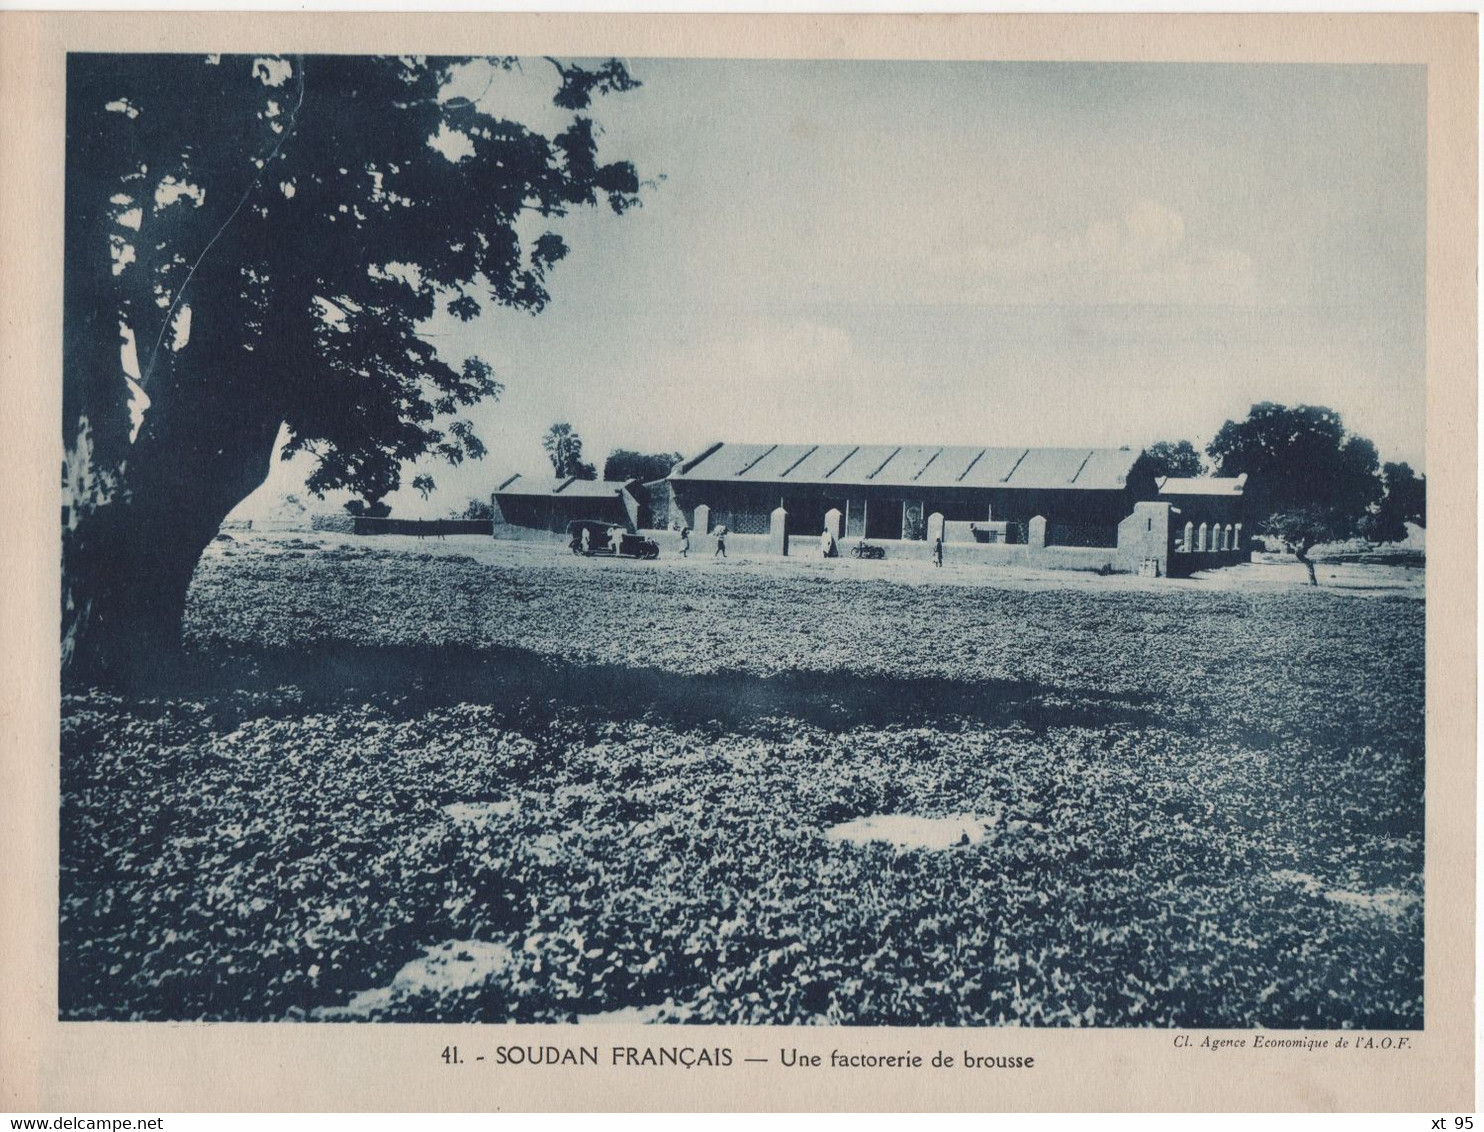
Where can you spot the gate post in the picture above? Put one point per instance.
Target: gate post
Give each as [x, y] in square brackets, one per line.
[1035, 533]
[702, 525]
[834, 522]
[778, 531]
[934, 527]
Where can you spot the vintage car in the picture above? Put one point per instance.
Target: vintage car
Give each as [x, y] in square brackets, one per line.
[599, 541]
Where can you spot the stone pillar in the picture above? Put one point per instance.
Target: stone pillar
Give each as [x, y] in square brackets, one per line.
[1035, 533]
[1189, 544]
[702, 523]
[778, 531]
[1200, 538]
[834, 522]
[1145, 539]
[1237, 537]
[934, 527]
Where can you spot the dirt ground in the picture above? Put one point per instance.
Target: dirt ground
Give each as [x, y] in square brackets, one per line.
[466, 780]
[1266, 573]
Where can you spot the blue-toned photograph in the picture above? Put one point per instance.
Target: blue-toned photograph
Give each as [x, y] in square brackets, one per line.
[843, 543]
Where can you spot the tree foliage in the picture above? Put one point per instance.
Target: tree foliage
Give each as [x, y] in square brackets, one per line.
[1405, 502]
[622, 464]
[564, 449]
[252, 247]
[1174, 458]
[380, 509]
[1310, 481]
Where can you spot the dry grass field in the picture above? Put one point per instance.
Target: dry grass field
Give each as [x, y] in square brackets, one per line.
[474, 781]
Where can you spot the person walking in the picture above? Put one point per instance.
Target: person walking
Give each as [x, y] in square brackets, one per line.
[684, 542]
[721, 543]
[615, 540]
[938, 551]
[827, 544]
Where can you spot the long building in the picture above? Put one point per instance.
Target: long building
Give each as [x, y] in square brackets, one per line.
[888, 491]
[1081, 508]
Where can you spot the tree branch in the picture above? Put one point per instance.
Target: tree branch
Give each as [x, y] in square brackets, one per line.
[247, 192]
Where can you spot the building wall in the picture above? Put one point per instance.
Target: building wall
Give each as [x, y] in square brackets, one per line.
[422, 528]
[1202, 525]
[988, 554]
[554, 512]
[1125, 530]
[1145, 540]
[1078, 518]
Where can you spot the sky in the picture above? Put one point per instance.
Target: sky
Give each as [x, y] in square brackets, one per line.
[966, 253]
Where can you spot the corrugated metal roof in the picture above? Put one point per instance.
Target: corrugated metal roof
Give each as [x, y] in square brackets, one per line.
[1203, 485]
[568, 487]
[595, 488]
[923, 466]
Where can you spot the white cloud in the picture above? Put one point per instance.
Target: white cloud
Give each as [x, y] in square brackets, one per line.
[772, 380]
[1145, 256]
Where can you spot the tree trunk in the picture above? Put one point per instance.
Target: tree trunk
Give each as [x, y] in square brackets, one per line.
[1302, 554]
[128, 563]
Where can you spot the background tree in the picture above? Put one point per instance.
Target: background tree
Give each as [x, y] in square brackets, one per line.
[478, 509]
[564, 449]
[625, 465]
[1310, 480]
[424, 485]
[377, 510]
[251, 244]
[1405, 502]
[1174, 458]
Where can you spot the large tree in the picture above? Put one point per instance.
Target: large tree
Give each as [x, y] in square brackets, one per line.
[1310, 481]
[564, 450]
[1174, 458]
[1405, 502]
[251, 246]
[622, 464]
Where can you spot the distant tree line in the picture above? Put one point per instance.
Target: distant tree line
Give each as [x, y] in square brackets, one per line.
[564, 448]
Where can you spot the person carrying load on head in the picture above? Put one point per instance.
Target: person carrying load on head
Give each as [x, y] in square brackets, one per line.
[615, 540]
[721, 543]
[684, 542]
